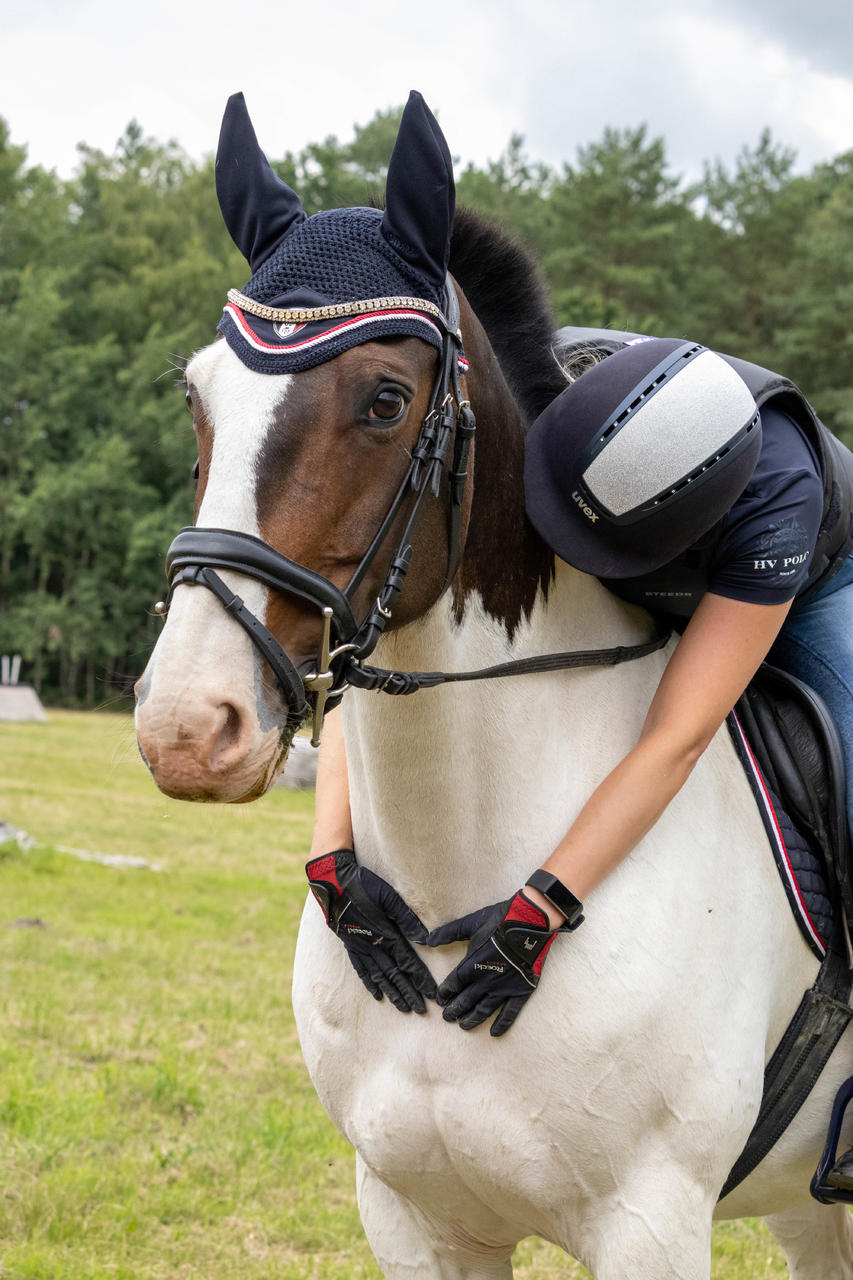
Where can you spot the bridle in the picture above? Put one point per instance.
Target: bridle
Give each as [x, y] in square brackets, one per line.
[196, 554]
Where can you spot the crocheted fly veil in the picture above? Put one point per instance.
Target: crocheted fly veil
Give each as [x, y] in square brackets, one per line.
[323, 284]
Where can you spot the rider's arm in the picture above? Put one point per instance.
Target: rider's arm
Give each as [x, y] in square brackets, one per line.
[332, 818]
[368, 915]
[722, 647]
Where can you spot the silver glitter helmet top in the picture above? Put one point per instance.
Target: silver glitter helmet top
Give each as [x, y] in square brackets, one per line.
[640, 456]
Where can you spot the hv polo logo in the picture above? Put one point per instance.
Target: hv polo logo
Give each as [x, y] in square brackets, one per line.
[782, 549]
[786, 562]
[585, 508]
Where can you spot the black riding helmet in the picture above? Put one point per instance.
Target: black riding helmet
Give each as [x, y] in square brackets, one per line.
[640, 456]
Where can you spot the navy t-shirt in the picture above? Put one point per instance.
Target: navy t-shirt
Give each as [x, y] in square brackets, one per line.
[763, 552]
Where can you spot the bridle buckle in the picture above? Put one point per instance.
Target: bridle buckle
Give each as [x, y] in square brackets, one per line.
[321, 681]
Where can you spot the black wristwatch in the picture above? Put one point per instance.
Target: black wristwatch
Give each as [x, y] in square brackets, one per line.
[559, 896]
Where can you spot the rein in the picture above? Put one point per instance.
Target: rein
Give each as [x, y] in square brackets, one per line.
[362, 677]
[196, 553]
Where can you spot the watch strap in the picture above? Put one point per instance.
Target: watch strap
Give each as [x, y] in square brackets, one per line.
[559, 896]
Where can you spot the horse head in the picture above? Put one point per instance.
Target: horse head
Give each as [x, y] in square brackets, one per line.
[334, 426]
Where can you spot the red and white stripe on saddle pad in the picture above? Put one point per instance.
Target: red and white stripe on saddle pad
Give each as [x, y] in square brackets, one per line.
[797, 860]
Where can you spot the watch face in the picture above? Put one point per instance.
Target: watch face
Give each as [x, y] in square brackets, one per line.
[558, 895]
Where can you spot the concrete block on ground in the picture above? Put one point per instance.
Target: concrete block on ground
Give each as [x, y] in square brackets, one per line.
[300, 772]
[20, 702]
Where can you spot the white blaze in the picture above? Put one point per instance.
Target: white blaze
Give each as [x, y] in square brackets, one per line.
[240, 406]
[204, 659]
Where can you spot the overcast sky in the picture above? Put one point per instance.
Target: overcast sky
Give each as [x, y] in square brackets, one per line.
[708, 76]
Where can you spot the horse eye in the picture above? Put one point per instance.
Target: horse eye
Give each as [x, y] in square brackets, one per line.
[189, 400]
[387, 406]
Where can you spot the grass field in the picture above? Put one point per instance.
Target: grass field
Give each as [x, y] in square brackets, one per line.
[156, 1119]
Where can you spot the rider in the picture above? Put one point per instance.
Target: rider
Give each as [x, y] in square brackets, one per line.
[739, 530]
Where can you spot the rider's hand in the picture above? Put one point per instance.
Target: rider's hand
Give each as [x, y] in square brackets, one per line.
[508, 945]
[373, 922]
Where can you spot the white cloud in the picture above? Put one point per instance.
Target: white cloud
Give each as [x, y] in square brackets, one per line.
[556, 70]
[819, 32]
[743, 86]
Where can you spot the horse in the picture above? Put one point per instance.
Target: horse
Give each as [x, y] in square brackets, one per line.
[607, 1120]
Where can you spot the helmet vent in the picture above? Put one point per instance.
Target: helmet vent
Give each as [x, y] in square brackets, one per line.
[705, 466]
[648, 390]
[667, 432]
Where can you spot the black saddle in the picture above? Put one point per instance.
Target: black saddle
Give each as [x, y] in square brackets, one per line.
[796, 745]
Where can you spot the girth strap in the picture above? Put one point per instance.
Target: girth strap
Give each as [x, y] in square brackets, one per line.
[401, 682]
[789, 1077]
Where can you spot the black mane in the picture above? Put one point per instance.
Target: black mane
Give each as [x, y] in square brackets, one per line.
[503, 285]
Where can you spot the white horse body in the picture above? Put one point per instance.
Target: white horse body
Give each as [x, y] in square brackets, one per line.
[612, 1112]
[608, 1117]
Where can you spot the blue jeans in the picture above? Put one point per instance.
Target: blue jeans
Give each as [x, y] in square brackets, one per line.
[816, 645]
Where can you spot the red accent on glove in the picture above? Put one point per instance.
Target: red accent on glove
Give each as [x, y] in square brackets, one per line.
[540, 959]
[522, 909]
[324, 869]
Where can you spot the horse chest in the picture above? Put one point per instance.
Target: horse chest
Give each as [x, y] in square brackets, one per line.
[517, 1129]
[436, 1114]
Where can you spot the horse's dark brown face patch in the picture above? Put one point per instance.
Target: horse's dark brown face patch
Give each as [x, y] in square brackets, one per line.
[330, 466]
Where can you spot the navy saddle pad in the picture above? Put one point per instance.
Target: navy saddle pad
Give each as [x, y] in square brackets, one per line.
[791, 751]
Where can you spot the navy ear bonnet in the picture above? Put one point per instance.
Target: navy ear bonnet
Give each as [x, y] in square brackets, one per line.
[323, 284]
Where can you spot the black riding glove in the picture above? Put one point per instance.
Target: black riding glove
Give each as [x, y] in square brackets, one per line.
[508, 945]
[373, 922]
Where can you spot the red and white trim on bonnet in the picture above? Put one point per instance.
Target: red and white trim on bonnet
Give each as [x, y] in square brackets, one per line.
[350, 324]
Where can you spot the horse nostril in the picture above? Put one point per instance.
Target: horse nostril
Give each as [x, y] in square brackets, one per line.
[230, 732]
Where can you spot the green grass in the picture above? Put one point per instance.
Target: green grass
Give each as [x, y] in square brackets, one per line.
[156, 1118]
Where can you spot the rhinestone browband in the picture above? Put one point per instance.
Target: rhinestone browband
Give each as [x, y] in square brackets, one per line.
[310, 314]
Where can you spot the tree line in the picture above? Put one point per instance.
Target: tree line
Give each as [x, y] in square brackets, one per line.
[110, 280]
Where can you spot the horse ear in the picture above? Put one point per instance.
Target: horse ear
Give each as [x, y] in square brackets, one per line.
[259, 209]
[419, 193]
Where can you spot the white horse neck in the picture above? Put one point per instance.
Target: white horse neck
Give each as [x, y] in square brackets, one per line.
[458, 792]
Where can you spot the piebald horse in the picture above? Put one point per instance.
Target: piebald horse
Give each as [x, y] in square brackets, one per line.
[608, 1119]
